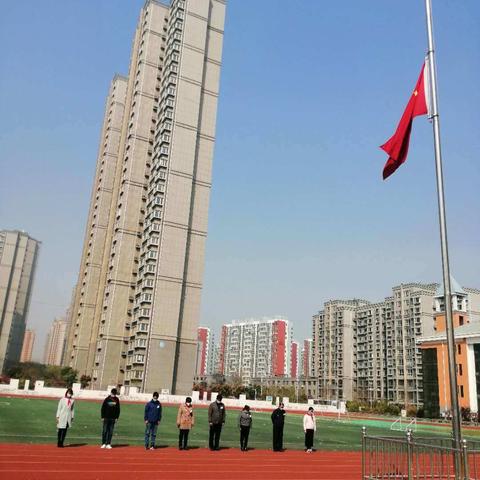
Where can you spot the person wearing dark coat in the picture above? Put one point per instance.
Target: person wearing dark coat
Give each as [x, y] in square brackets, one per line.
[244, 423]
[278, 420]
[152, 417]
[110, 413]
[216, 419]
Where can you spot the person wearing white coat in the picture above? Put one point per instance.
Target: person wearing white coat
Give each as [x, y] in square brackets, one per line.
[65, 416]
[309, 427]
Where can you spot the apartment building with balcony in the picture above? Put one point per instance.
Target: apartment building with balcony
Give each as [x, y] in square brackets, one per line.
[306, 363]
[18, 259]
[204, 351]
[55, 342]
[294, 359]
[255, 348]
[368, 351]
[333, 349]
[27, 347]
[136, 305]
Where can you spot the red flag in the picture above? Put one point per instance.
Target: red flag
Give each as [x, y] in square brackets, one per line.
[397, 146]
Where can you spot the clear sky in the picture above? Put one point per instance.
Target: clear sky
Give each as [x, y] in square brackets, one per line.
[299, 213]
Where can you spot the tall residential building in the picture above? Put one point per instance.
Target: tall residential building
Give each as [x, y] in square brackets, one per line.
[55, 343]
[332, 349]
[255, 348]
[204, 339]
[306, 358]
[27, 347]
[212, 355]
[18, 258]
[136, 306]
[294, 355]
[368, 351]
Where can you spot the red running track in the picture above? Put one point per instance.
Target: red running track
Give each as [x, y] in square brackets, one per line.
[47, 462]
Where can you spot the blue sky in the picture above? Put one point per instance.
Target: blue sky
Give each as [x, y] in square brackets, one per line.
[299, 213]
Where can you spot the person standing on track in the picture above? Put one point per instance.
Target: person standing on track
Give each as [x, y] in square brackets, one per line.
[309, 427]
[185, 422]
[152, 417]
[110, 413]
[216, 419]
[244, 423]
[64, 416]
[278, 421]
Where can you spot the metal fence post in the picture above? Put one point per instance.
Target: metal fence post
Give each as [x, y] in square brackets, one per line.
[364, 450]
[465, 459]
[409, 454]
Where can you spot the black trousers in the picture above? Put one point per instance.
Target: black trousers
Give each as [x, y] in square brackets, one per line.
[244, 432]
[309, 438]
[214, 436]
[62, 433]
[277, 438]
[107, 432]
[183, 438]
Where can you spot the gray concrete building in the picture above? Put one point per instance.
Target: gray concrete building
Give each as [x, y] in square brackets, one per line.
[333, 349]
[368, 351]
[388, 364]
[18, 258]
[136, 307]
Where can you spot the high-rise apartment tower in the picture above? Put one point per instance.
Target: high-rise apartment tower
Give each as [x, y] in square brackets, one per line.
[255, 348]
[136, 307]
[55, 342]
[18, 258]
[27, 347]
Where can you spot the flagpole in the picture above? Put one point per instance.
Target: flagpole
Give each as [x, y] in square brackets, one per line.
[452, 368]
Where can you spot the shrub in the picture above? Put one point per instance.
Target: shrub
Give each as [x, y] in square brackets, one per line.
[353, 406]
[411, 411]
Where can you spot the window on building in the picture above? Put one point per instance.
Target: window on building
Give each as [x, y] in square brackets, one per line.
[459, 349]
[461, 391]
[460, 320]
[460, 369]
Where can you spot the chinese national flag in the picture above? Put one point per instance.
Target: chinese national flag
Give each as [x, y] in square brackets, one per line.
[397, 146]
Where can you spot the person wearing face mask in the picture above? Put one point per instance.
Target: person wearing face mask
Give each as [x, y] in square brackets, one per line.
[216, 419]
[64, 416]
[152, 417]
[110, 413]
[309, 427]
[185, 422]
[278, 420]
[244, 423]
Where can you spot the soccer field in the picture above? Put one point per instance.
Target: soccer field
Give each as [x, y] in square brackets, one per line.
[30, 420]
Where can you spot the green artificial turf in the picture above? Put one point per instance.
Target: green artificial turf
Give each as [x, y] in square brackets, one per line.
[30, 420]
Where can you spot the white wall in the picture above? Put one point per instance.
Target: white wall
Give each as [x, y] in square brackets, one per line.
[134, 396]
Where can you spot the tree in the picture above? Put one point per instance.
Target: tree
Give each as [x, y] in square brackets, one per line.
[85, 381]
[53, 375]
